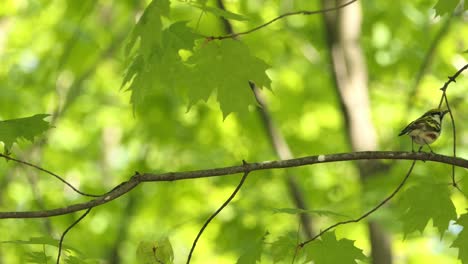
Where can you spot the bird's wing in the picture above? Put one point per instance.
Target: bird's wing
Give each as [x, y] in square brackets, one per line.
[417, 124]
[406, 129]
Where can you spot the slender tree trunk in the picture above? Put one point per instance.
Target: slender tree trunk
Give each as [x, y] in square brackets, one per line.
[349, 70]
[283, 152]
[280, 146]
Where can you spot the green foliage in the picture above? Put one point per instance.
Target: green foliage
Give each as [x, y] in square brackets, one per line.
[70, 259]
[218, 12]
[148, 30]
[160, 251]
[226, 67]
[159, 68]
[39, 241]
[67, 58]
[22, 128]
[303, 211]
[423, 202]
[253, 252]
[39, 257]
[446, 6]
[70, 255]
[325, 250]
[284, 248]
[462, 239]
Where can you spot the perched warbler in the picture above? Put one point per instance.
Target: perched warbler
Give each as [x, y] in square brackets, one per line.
[426, 129]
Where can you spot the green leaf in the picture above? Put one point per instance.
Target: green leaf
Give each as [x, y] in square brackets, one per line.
[148, 29]
[71, 259]
[423, 202]
[38, 257]
[445, 6]
[149, 252]
[226, 67]
[461, 242]
[253, 252]
[163, 71]
[221, 67]
[41, 241]
[219, 12]
[178, 36]
[22, 128]
[328, 250]
[303, 211]
[284, 248]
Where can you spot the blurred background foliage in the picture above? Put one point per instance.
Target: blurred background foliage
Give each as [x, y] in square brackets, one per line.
[66, 58]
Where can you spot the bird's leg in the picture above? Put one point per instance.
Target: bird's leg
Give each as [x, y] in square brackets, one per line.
[429, 147]
[420, 150]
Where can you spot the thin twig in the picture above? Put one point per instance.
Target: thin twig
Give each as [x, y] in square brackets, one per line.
[205, 225]
[296, 250]
[454, 132]
[138, 178]
[302, 12]
[66, 231]
[50, 173]
[383, 202]
[450, 79]
[442, 99]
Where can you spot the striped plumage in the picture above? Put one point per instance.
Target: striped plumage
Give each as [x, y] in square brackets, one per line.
[426, 129]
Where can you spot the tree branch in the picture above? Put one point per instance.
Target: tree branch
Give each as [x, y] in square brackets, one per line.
[302, 12]
[136, 179]
[450, 79]
[6, 157]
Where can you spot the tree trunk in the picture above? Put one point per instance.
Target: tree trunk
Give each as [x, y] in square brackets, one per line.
[343, 29]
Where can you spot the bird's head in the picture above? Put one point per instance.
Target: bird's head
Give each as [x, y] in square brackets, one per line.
[436, 113]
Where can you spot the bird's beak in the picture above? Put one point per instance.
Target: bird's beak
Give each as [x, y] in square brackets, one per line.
[444, 112]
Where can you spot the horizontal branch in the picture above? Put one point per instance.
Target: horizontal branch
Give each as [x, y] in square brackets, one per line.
[136, 179]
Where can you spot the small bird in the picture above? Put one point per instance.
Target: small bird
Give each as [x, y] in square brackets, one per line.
[425, 129]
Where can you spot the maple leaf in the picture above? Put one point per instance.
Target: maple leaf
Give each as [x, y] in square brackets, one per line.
[253, 252]
[162, 71]
[226, 67]
[148, 29]
[328, 250]
[178, 36]
[423, 202]
[22, 128]
[461, 241]
[284, 247]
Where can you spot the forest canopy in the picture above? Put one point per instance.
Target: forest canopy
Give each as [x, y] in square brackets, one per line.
[232, 131]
